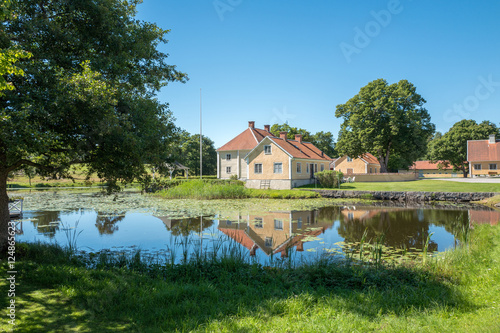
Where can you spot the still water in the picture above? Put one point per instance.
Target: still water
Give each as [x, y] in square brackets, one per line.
[261, 233]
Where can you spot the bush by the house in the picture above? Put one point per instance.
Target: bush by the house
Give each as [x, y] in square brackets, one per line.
[329, 178]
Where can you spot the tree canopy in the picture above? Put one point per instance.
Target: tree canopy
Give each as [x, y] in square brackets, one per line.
[188, 153]
[385, 120]
[452, 146]
[87, 94]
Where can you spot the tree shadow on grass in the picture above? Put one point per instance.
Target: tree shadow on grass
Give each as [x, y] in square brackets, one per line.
[61, 295]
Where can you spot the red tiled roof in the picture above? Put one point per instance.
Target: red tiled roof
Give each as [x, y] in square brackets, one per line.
[305, 150]
[246, 140]
[483, 151]
[240, 236]
[428, 165]
[370, 158]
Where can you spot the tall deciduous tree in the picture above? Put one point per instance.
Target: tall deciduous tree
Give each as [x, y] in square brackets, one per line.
[189, 154]
[88, 93]
[385, 119]
[452, 146]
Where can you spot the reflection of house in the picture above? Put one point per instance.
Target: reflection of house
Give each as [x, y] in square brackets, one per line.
[273, 232]
[484, 216]
[353, 214]
[427, 169]
[483, 157]
[366, 163]
[263, 160]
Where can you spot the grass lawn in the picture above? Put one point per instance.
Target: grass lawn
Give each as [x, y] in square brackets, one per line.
[459, 291]
[425, 185]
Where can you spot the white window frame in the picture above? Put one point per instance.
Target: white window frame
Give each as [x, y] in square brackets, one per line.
[267, 150]
[280, 167]
[299, 167]
[228, 157]
[268, 242]
[477, 166]
[259, 223]
[349, 159]
[278, 224]
[228, 169]
[322, 167]
[494, 166]
[315, 167]
[255, 166]
[307, 168]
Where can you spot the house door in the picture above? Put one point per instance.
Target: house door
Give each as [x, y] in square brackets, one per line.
[311, 170]
[349, 171]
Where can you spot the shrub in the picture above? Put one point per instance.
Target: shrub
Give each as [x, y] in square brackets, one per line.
[329, 178]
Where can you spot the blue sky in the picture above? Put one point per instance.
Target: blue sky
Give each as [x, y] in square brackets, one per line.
[295, 61]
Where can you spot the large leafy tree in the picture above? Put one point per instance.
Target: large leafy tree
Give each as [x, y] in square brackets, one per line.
[385, 120]
[452, 146]
[323, 140]
[88, 93]
[188, 153]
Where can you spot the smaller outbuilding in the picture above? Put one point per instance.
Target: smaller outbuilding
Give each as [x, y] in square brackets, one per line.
[483, 157]
[364, 164]
[439, 169]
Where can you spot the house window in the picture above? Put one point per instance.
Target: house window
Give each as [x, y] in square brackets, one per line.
[350, 215]
[299, 167]
[375, 170]
[370, 170]
[267, 150]
[315, 167]
[278, 167]
[307, 167]
[493, 166]
[228, 157]
[228, 169]
[322, 167]
[299, 223]
[258, 168]
[278, 224]
[477, 166]
[268, 242]
[258, 223]
[349, 159]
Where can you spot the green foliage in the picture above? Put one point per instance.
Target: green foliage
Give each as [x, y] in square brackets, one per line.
[452, 146]
[330, 178]
[187, 153]
[385, 120]
[206, 189]
[282, 194]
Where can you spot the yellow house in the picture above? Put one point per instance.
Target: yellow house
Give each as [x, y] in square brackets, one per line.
[428, 169]
[484, 157]
[280, 163]
[364, 164]
[231, 156]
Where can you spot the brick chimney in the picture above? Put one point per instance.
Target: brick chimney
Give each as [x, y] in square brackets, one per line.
[267, 128]
[298, 137]
[492, 138]
[251, 124]
[283, 135]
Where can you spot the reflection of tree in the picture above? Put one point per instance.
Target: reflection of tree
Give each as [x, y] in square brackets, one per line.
[185, 226]
[402, 228]
[106, 224]
[41, 221]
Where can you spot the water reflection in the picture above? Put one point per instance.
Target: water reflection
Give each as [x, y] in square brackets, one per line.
[261, 234]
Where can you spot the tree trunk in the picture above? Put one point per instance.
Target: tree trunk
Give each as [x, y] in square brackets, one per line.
[4, 213]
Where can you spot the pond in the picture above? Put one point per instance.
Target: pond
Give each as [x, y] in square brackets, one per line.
[263, 230]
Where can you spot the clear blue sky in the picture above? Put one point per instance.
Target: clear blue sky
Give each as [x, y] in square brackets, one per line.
[276, 61]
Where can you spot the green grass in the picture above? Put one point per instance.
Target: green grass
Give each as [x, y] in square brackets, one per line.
[208, 190]
[458, 291]
[425, 185]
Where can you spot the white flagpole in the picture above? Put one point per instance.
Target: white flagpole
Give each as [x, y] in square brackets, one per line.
[201, 144]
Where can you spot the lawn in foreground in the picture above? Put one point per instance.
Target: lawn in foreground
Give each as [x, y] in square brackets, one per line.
[424, 185]
[458, 292]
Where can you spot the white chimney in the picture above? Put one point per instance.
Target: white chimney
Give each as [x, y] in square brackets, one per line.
[492, 138]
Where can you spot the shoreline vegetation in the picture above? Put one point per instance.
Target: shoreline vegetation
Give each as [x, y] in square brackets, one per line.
[453, 291]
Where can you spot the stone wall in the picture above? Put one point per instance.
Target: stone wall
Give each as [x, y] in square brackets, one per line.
[407, 196]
